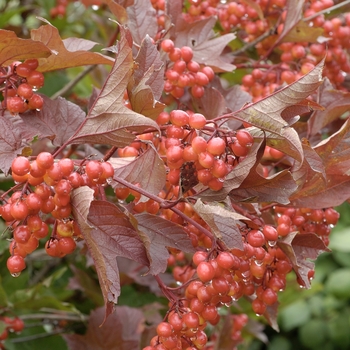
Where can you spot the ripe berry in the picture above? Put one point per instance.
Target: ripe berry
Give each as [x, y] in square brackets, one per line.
[15, 264]
[164, 329]
[256, 238]
[66, 245]
[216, 146]
[45, 160]
[197, 121]
[167, 45]
[20, 166]
[25, 90]
[205, 271]
[21, 234]
[35, 79]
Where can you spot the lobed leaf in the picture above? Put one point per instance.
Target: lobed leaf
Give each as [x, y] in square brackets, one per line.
[121, 331]
[256, 188]
[266, 113]
[62, 57]
[332, 189]
[57, 121]
[335, 103]
[157, 234]
[146, 85]
[142, 20]
[14, 137]
[212, 104]
[147, 169]
[13, 48]
[108, 233]
[300, 248]
[224, 224]
[207, 49]
[147, 57]
[109, 121]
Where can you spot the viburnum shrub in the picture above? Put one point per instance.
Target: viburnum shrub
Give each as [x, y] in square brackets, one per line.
[226, 189]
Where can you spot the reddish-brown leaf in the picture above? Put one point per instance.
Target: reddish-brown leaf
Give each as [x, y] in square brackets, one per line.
[146, 85]
[271, 315]
[212, 104]
[142, 20]
[147, 169]
[148, 57]
[266, 113]
[312, 165]
[336, 103]
[14, 49]
[300, 248]
[13, 138]
[118, 10]
[256, 188]
[224, 224]
[157, 234]
[173, 9]
[132, 272]
[108, 233]
[318, 192]
[207, 49]
[294, 11]
[61, 57]
[109, 121]
[57, 121]
[121, 331]
[225, 340]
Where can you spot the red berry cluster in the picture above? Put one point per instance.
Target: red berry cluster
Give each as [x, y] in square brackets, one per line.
[207, 159]
[183, 72]
[46, 189]
[60, 9]
[20, 81]
[14, 324]
[306, 220]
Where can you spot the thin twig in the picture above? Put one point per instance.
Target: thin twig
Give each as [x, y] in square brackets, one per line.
[254, 42]
[36, 336]
[68, 317]
[329, 9]
[72, 83]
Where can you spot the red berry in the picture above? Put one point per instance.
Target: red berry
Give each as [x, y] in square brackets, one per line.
[205, 271]
[216, 146]
[15, 264]
[20, 166]
[45, 160]
[35, 79]
[256, 238]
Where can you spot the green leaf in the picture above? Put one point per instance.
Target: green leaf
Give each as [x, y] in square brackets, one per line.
[294, 315]
[313, 334]
[340, 240]
[338, 283]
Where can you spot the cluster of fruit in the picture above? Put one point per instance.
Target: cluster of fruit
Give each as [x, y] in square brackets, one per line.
[184, 72]
[19, 82]
[43, 196]
[14, 324]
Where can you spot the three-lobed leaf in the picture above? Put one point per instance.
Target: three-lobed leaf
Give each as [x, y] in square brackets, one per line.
[13, 48]
[62, 57]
